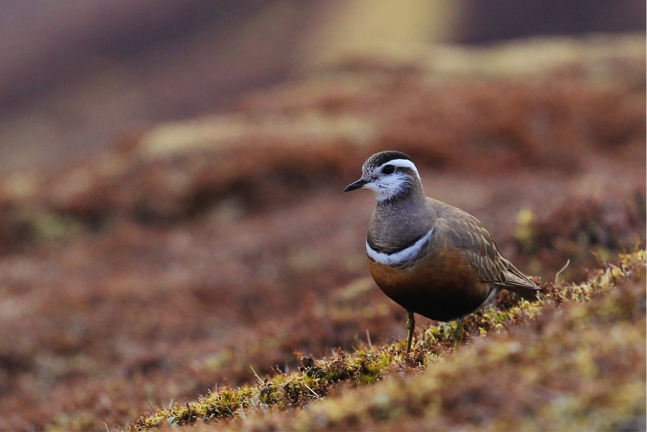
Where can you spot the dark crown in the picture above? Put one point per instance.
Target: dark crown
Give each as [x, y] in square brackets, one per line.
[379, 159]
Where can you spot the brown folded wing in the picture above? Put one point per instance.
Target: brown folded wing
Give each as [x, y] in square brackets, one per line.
[467, 234]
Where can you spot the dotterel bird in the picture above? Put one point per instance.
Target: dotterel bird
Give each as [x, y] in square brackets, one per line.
[429, 257]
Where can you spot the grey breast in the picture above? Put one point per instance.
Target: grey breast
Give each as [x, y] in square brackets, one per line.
[396, 227]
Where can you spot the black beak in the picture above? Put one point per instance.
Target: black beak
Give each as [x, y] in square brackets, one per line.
[357, 185]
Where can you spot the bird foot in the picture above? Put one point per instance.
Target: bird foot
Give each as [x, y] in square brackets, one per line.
[458, 334]
[411, 325]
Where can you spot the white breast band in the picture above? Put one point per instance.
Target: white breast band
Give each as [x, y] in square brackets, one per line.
[402, 256]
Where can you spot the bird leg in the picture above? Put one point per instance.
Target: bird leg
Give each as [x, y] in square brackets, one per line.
[458, 333]
[411, 325]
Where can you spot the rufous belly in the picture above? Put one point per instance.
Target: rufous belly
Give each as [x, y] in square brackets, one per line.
[442, 286]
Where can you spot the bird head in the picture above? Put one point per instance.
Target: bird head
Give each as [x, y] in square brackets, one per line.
[387, 174]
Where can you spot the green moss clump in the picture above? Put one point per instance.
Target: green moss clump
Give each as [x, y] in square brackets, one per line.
[558, 354]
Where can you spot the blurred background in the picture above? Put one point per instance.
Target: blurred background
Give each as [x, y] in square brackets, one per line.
[73, 78]
[171, 174]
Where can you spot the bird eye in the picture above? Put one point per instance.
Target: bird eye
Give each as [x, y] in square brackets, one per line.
[388, 169]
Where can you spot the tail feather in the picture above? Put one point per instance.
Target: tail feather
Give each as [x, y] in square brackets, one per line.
[519, 284]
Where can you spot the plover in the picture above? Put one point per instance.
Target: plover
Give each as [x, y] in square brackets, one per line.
[429, 257]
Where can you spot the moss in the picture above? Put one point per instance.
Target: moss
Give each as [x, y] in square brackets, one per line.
[46, 226]
[581, 369]
[577, 332]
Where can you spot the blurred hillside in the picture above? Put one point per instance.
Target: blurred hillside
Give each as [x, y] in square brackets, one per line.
[76, 77]
[178, 257]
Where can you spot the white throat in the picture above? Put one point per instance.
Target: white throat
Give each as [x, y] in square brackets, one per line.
[387, 189]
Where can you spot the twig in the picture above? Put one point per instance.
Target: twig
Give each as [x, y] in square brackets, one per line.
[601, 263]
[149, 404]
[257, 377]
[313, 392]
[368, 338]
[568, 261]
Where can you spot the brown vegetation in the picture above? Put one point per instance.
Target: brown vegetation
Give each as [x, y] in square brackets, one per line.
[177, 259]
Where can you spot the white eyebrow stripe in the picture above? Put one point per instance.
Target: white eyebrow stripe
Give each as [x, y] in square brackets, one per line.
[404, 163]
[400, 257]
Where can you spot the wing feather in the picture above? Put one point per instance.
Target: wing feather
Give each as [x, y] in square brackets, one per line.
[469, 235]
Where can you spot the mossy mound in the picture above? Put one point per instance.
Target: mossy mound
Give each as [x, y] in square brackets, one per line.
[573, 359]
